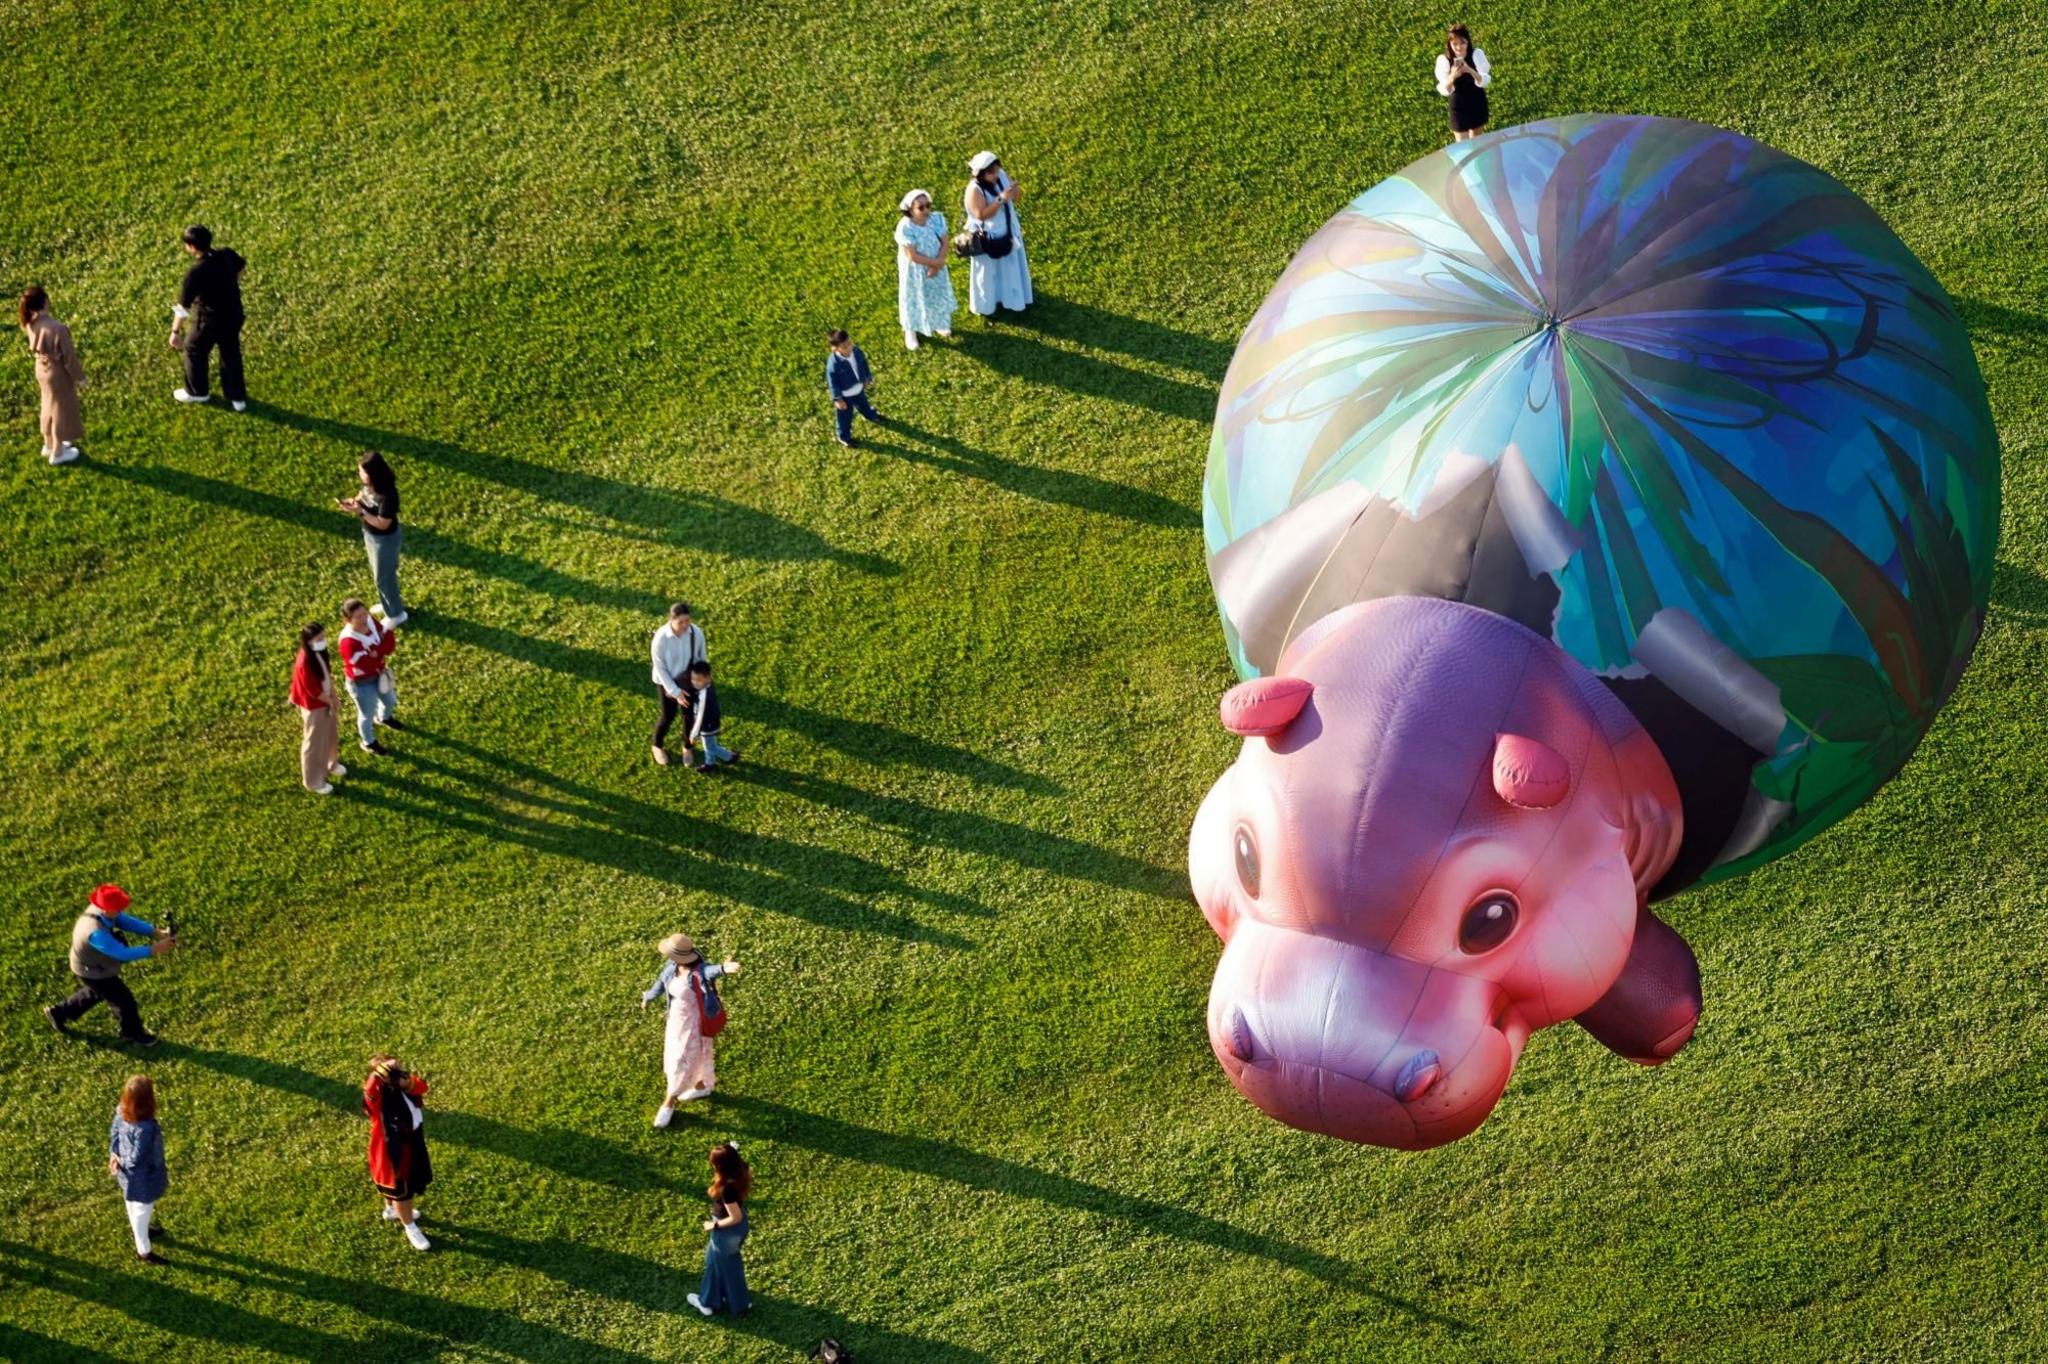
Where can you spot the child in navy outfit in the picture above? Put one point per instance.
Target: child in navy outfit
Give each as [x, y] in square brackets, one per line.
[704, 718]
[848, 379]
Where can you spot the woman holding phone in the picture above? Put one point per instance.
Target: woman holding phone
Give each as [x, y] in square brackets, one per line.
[398, 1143]
[1462, 75]
[724, 1285]
[376, 506]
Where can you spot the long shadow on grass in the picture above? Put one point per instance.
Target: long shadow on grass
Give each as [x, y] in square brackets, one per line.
[24, 1346]
[2018, 593]
[759, 870]
[435, 1315]
[567, 1152]
[1026, 356]
[657, 1287]
[2029, 330]
[1132, 336]
[880, 744]
[834, 1137]
[1043, 485]
[150, 1298]
[685, 520]
[420, 542]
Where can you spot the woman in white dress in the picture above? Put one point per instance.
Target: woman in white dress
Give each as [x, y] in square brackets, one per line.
[686, 1053]
[924, 286]
[995, 280]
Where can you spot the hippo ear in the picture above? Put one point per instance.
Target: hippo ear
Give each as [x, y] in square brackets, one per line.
[1529, 773]
[1264, 706]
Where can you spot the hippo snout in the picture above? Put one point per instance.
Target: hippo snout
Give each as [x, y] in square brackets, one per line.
[1356, 1043]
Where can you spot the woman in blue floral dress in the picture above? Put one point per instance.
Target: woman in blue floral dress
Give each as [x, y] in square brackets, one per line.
[924, 288]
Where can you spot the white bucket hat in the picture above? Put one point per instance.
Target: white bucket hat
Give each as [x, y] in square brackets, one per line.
[981, 161]
[907, 200]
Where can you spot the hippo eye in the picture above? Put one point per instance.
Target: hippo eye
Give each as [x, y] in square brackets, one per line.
[1488, 923]
[1247, 861]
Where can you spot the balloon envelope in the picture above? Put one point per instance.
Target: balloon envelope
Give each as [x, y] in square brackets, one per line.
[1679, 402]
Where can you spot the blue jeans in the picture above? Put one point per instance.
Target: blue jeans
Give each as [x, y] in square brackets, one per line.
[371, 706]
[724, 1285]
[844, 415]
[714, 752]
[383, 550]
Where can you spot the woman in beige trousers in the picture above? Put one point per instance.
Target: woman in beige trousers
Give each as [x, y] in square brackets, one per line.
[58, 374]
[313, 694]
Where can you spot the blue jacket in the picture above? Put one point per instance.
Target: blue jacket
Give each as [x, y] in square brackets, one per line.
[843, 372]
[712, 971]
[139, 1148]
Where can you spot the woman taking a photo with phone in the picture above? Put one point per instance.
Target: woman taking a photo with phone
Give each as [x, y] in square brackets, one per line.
[398, 1143]
[1462, 75]
[724, 1286]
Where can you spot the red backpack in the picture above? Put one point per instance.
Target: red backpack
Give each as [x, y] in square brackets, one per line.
[711, 1014]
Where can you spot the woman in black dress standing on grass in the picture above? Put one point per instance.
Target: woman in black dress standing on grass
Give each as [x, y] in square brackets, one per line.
[1462, 75]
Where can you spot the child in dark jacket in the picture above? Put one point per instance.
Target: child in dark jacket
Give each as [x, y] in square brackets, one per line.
[704, 718]
[848, 379]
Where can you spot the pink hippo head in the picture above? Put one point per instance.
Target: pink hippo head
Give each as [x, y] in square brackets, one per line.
[1435, 841]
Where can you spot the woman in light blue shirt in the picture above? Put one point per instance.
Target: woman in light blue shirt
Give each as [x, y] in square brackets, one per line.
[924, 287]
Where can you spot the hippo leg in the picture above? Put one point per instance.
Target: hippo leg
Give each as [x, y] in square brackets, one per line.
[1654, 1004]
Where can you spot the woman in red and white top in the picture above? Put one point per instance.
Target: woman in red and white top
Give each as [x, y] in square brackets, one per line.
[313, 694]
[366, 647]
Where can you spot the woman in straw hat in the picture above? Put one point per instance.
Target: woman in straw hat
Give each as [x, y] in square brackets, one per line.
[695, 1014]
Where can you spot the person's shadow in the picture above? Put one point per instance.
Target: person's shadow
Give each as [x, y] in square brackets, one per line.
[767, 1120]
[657, 1287]
[1022, 344]
[1082, 491]
[646, 512]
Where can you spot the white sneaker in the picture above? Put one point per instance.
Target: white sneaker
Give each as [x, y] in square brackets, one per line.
[664, 1114]
[337, 771]
[240, 407]
[325, 788]
[401, 618]
[66, 453]
[390, 1213]
[946, 331]
[416, 1236]
[690, 1094]
[696, 1302]
[182, 396]
[910, 340]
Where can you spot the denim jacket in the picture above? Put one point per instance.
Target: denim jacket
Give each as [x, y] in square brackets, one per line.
[138, 1147]
[710, 970]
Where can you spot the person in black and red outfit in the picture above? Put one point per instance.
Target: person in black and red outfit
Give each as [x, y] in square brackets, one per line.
[366, 647]
[398, 1142]
[211, 300]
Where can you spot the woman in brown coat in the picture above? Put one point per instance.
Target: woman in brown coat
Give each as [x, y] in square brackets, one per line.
[58, 374]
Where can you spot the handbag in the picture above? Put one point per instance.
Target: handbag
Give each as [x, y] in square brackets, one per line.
[975, 241]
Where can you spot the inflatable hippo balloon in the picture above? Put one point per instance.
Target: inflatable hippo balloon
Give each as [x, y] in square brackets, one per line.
[1594, 508]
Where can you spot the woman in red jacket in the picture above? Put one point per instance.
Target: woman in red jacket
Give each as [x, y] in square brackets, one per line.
[398, 1142]
[366, 645]
[313, 694]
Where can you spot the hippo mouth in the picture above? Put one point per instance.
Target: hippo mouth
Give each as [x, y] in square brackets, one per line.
[1354, 1043]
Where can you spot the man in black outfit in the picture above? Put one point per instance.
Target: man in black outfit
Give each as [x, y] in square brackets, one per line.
[211, 300]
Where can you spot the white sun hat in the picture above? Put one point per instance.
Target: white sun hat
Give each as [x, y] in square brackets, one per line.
[981, 161]
[912, 198]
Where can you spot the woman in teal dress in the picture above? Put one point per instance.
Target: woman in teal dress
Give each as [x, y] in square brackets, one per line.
[724, 1286]
[924, 288]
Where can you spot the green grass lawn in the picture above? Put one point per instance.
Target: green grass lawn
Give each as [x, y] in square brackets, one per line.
[570, 266]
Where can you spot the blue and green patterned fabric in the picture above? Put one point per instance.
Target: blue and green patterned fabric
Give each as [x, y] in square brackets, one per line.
[1752, 409]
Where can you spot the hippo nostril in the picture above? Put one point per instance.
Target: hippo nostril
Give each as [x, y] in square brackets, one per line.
[1237, 1038]
[1417, 1076]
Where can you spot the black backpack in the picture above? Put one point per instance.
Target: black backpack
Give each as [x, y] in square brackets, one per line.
[830, 1351]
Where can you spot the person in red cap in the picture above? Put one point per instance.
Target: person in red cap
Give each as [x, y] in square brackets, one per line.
[99, 949]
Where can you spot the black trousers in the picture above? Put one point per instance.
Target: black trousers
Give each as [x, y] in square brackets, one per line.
[118, 997]
[670, 708]
[199, 347]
